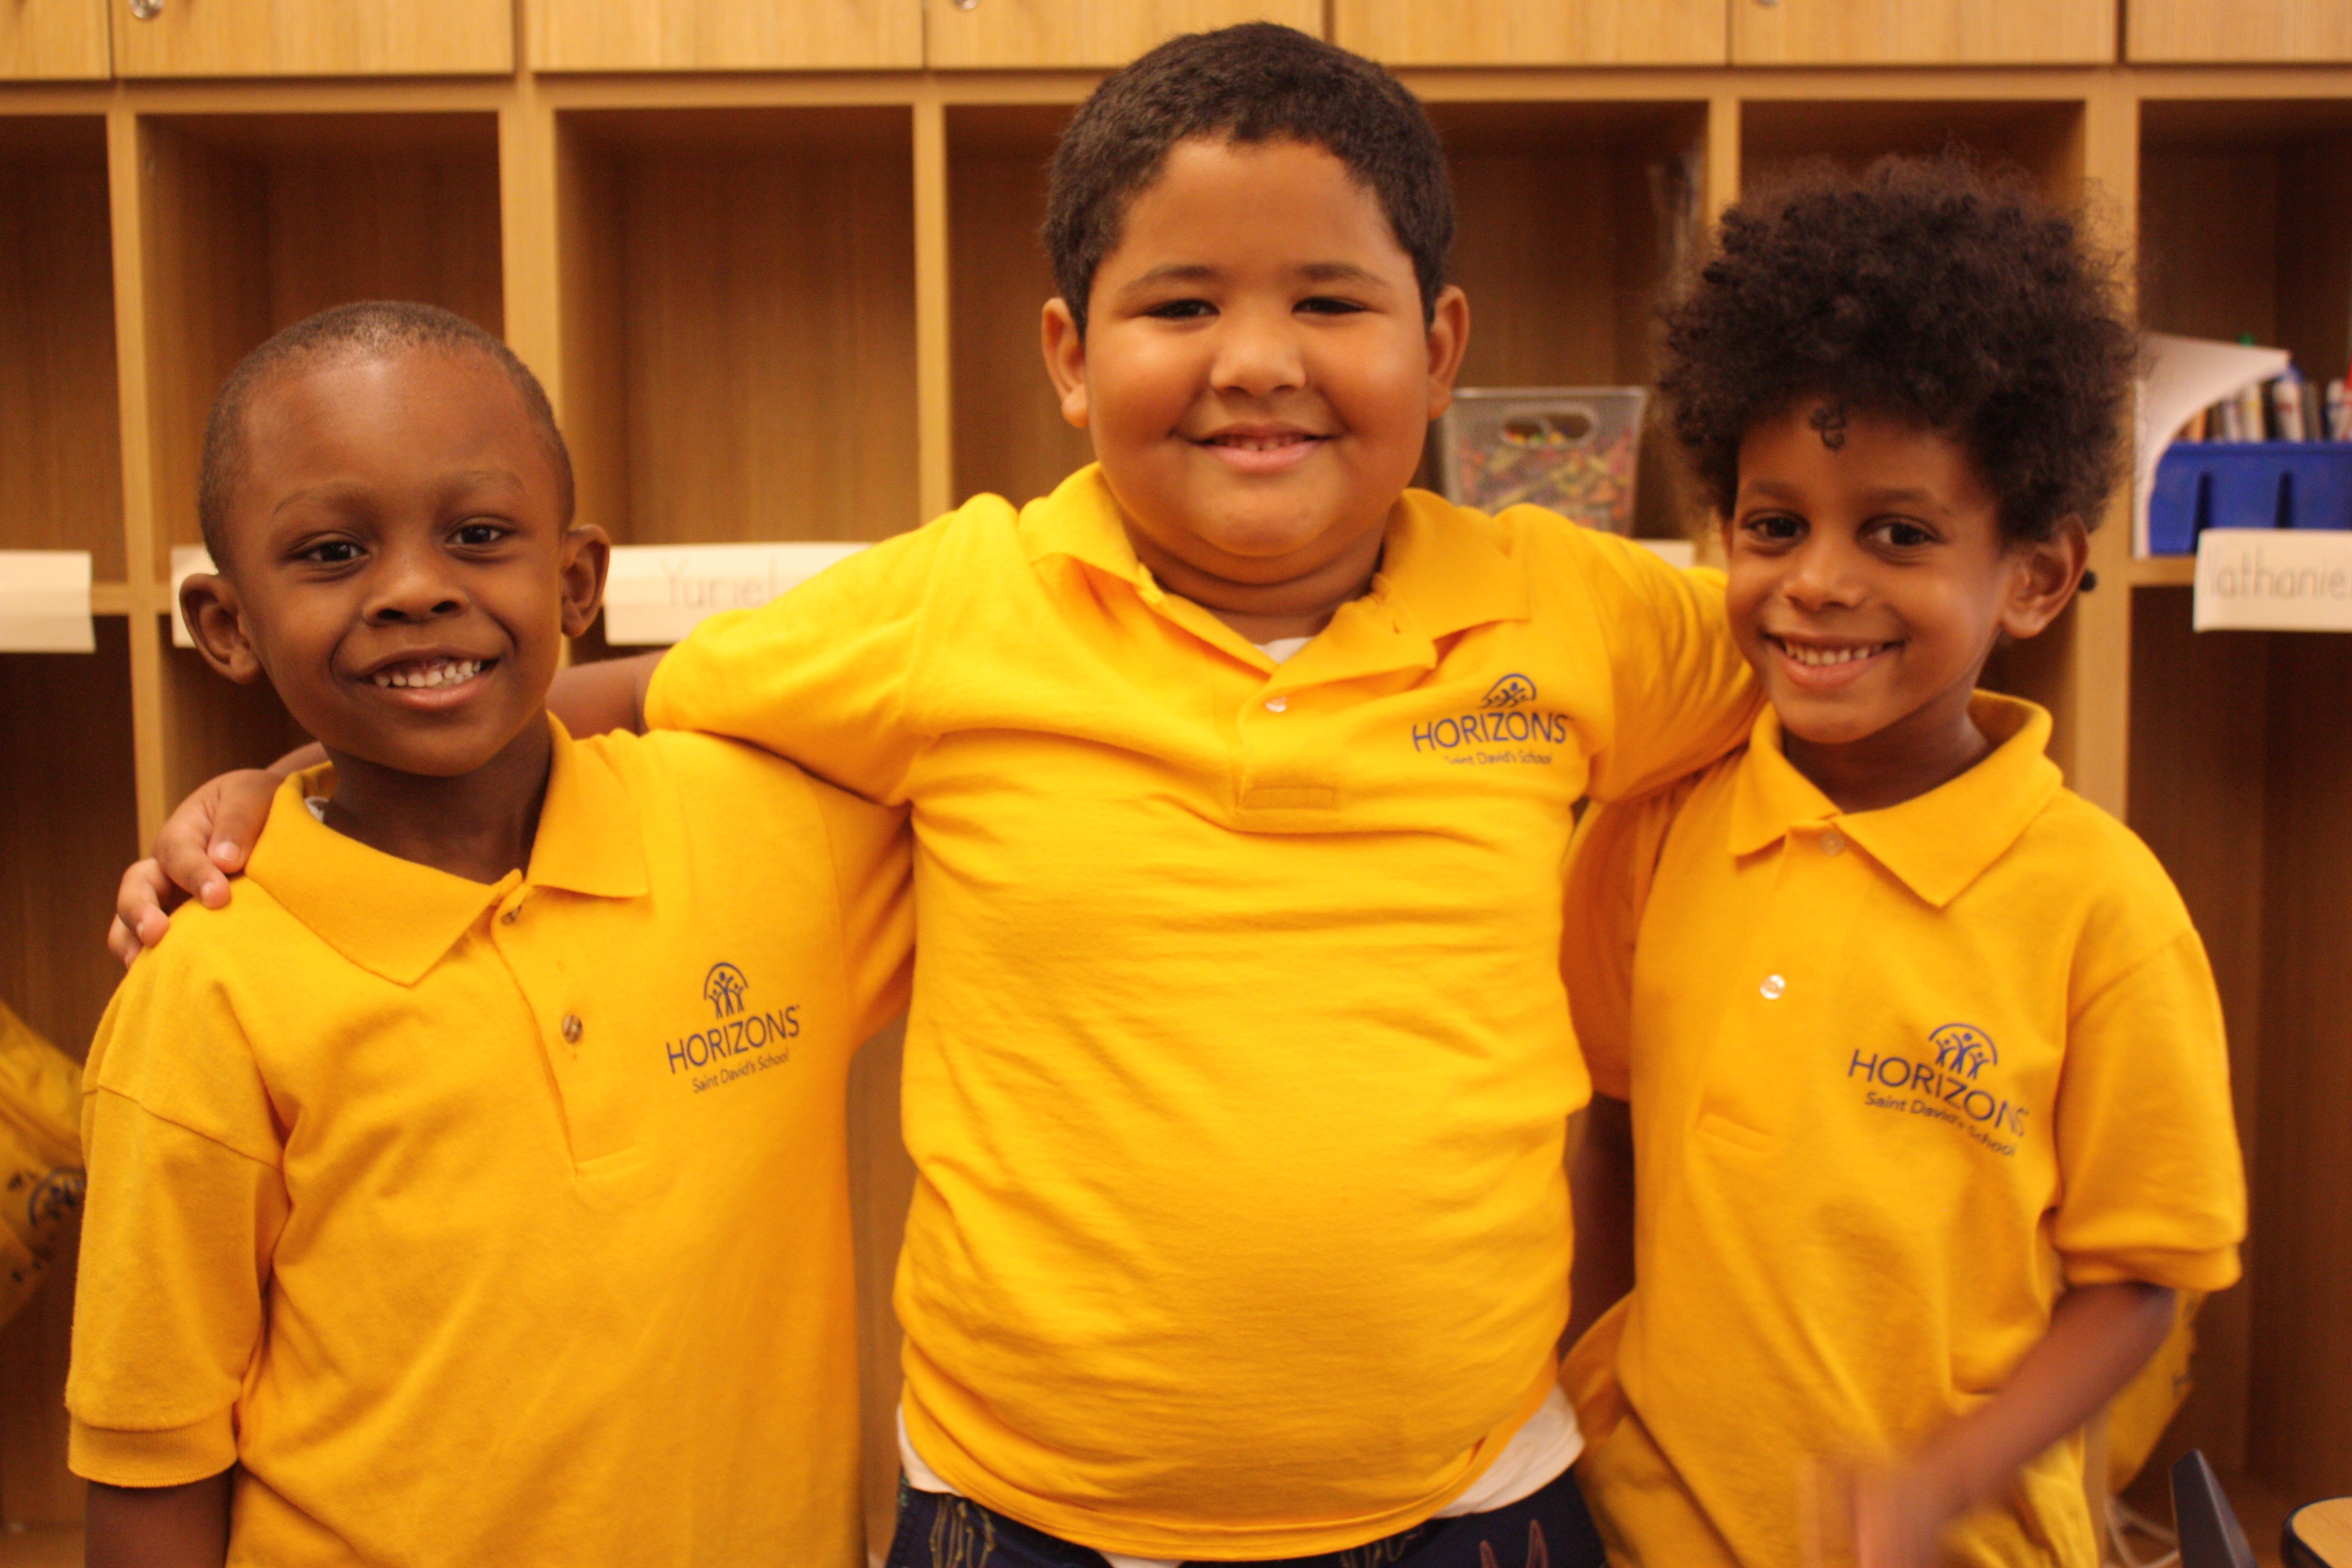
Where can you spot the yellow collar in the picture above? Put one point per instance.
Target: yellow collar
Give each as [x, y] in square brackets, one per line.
[397, 919]
[1440, 570]
[1938, 842]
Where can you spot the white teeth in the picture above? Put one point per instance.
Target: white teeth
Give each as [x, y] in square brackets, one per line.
[1262, 442]
[1822, 658]
[430, 675]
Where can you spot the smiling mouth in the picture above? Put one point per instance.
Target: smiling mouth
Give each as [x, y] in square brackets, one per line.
[431, 674]
[1270, 443]
[1824, 655]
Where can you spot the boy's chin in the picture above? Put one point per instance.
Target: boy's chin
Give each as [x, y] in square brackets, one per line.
[442, 756]
[1817, 720]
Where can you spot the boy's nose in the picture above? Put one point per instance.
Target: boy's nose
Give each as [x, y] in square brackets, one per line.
[1821, 573]
[410, 588]
[1257, 357]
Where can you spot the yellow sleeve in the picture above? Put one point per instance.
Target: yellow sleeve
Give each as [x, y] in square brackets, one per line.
[1683, 694]
[818, 676]
[872, 867]
[183, 1211]
[2152, 1187]
[1610, 863]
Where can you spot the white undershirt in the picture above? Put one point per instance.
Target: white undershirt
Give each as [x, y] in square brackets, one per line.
[1281, 648]
[1538, 1454]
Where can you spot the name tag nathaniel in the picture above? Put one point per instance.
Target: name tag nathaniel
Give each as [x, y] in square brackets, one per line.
[44, 602]
[658, 593]
[2273, 579]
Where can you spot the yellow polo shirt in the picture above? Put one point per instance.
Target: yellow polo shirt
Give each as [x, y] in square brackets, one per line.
[1899, 1079]
[1238, 1062]
[501, 1223]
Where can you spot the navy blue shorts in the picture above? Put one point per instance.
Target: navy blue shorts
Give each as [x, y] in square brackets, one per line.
[1549, 1529]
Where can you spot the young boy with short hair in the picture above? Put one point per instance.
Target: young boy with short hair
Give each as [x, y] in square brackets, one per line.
[1239, 1066]
[1929, 1109]
[472, 1189]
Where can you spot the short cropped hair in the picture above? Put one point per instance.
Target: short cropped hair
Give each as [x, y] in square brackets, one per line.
[1925, 290]
[1254, 83]
[373, 329]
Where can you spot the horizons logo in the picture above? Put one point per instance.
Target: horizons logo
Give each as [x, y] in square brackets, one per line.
[738, 1032]
[1964, 1049]
[1947, 1088]
[1509, 693]
[1503, 720]
[724, 988]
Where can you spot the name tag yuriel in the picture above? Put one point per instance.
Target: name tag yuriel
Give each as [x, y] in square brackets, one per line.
[658, 593]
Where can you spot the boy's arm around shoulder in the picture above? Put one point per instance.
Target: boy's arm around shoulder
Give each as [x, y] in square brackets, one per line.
[821, 676]
[186, 1202]
[1681, 694]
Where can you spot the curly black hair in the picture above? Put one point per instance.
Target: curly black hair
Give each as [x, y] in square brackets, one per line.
[1925, 290]
[1256, 82]
[370, 328]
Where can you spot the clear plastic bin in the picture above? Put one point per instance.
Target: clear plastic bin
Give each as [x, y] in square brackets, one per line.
[1571, 449]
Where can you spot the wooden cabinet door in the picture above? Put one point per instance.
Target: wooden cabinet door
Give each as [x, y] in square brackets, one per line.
[735, 35]
[49, 40]
[1925, 32]
[1512, 33]
[2250, 30]
[1104, 33]
[313, 38]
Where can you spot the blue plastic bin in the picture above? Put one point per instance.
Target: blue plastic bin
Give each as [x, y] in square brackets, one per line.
[2247, 484]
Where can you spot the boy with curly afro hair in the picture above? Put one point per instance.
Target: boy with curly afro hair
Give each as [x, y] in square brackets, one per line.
[1912, 1108]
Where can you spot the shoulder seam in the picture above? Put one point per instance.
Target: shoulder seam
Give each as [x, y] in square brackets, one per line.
[216, 1142]
[2186, 932]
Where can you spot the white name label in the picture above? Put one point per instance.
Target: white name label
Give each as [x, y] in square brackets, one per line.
[658, 593]
[44, 602]
[187, 561]
[2273, 579]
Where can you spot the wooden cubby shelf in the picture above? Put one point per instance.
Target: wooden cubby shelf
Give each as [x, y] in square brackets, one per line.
[60, 458]
[781, 295]
[738, 292]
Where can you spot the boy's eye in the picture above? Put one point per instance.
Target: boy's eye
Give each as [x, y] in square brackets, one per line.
[1775, 528]
[1905, 535]
[331, 553]
[1181, 309]
[479, 534]
[1325, 305]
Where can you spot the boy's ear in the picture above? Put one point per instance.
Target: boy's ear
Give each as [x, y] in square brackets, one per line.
[1065, 360]
[208, 604]
[1449, 336]
[2044, 575]
[587, 556]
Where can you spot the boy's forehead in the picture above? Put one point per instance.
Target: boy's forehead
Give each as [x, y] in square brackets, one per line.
[351, 422]
[1215, 194]
[406, 408]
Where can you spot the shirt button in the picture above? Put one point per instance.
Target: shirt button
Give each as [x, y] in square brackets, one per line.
[1833, 843]
[1277, 704]
[571, 1028]
[1773, 988]
[511, 916]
